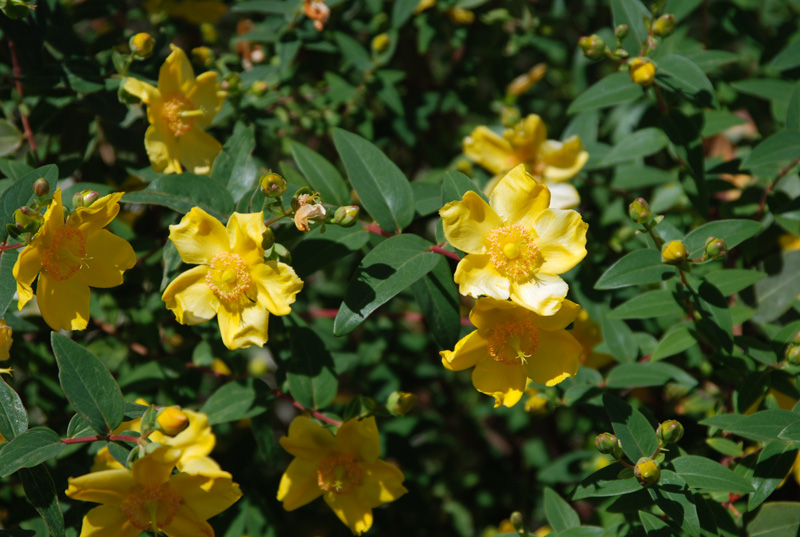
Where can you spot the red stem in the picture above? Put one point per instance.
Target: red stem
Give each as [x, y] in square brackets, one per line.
[97, 437]
[446, 253]
[10, 247]
[317, 414]
[18, 82]
[772, 184]
[375, 228]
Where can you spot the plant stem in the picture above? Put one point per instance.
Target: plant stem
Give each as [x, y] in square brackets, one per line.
[316, 413]
[17, 72]
[762, 204]
[98, 437]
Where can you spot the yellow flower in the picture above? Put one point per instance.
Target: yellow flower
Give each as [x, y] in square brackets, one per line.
[424, 5]
[789, 242]
[512, 345]
[517, 246]
[536, 403]
[589, 336]
[642, 71]
[178, 110]
[232, 281]
[194, 11]
[5, 340]
[344, 469]
[151, 498]
[550, 161]
[69, 258]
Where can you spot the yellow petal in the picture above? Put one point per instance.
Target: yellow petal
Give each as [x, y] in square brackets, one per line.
[561, 239]
[197, 440]
[205, 466]
[299, 485]
[488, 313]
[108, 486]
[242, 327]
[556, 358]
[527, 137]
[25, 270]
[197, 150]
[189, 297]
[205, 95]
[518, 198]
[476, 276]
[144, 91]
[307, 440]
[562, 160]
[245, 235]
[98, 215]
[206, 496]
[198, 12]
[105, 520]
[162, 149]
[382, 483]
[187, 523]
[64, 304]
[359, 437]
[489, 150]
[351, 510]
[563, 196]
[470, 350]
[176, 74]
[156, 467]
[199, 237]
[506, 383]
[277, 285]
[542, 294]
[108, 256]
[467, 223]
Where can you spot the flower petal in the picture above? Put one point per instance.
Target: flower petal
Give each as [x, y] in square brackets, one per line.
[476, 276]
[156, 467]
[277, 285]
[107, 486]
[207, 496]
[198, 12]
[506, 383]
[147, 93]
[351, 510]
[199, 237]
[556, 358]
[359, 438]
[527, 136]
[470, 350]
[562, 160]
[245, 235]
[382, 483]
[189, 297]
[563, 196]
[242, 327]
[98, 215]
[197, 150]
[106, 520]
[197, 440]
[467, 223]
[205, 95]
[542, 294]
[176, 74]
[488, 313]
[108, 256]
[64, 304]
[307, 440]
[186, 523]
[489, 150]
[299, 485]
[162, 149]
[25, 270]
[205, 466]
[518, 198]
[561, 239]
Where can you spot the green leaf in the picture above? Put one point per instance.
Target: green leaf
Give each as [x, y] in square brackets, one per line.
[234, 165]
[725, 446]
[764, 426]
[733, 232]
[40, 491]
[786, 59]
[184, 191]
[677, 339]
[89, 386]
[776, 293]
[237, 400]
[709, 60]
[637, 436]
[620, 339]
[791, 432]
[638, 144]
[8, 285]
[634, 176]
[318, 250]
[456, 184]
[774, 462]
[631, 12]
[765, 88]
[383, 189]
[437, 296]
[604, 483]
[706, 475]
[21, 193]
[321, 175]
[681, 75]
[311, 373]
[730, 281]
[560, 515]
[717, 121]
[267, 6]
[715, 322]
[774, 154]
[387, 270]
[402, 11]
[10, 138]
[427, 198]
[688, 145]
[13, 417]
[30, 448]
[656, 303]
[353, 51]
[614, 89]
[673, 496]
[793, 110]
[636, 268]
[776, 519]
[582, 531]
[640, 374]
[654, 525]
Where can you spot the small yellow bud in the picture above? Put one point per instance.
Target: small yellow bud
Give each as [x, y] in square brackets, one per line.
[593, 46]
[5, 340]
[674, 253]
[258, 366]
[142, 45]
[642, 71]
[27, 220]
[665, 26]
[401, 403]
[381, 42]
[646, 471]
[461, 16]
[203, 55]
[220, 368]
[209, 32]
[172, 420]
[524, 82]
[423, 5]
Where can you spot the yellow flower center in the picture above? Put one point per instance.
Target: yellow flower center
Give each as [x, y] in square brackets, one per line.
[228, 276]
[179, 113]
[151, 508]
[339, 473]
[65, 254]
[513, 252]
[512, 343]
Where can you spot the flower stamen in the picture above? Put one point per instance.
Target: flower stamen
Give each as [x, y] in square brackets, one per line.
[514, 342]
[228, 276]
[513, 252]
[179, 113]
[65, 255]
[339, 473]
[151, 508]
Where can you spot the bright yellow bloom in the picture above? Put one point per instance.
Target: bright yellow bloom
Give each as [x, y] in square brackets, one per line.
[550, 161]
[151, 498]
[513, 345]
[69, 258]
[178, 110]
[5, 340]
[344, 469]
[194, 11]
[232, 281]
[589, 336]
[517, 246]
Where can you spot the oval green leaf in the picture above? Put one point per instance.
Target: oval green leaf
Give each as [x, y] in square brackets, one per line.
[321, 175]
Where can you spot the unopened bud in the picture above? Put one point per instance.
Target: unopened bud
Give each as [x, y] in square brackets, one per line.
[346, 215]
[401, 403]
[674, 253]
[510, 115]
[5, 340]
[87, 197]
[172, 420]
[646, 471]
[203, 55]
[665, 26]
[642, 71]
[142, 45]
[715, 248]
[259, 88]
[267, 238]
[793, 354]
[639, 211]
[516, 520]
[16, 9]
[209, 32]
[670, 432]
[593, 46]
[606, 443]
[621, 32]
[524, 82]
[232, 83]
[272, 185]
[620, 54]
[27, 220]
[41, 187]
[381, 42]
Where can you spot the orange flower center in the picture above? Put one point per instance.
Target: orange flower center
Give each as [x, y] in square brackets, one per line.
[228, 277]
[339, 473]
[151, 508]
[65, 254]
[512, 343]
[179, 113]
[513, 252]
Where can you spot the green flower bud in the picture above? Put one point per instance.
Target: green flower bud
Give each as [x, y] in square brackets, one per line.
[510, 116]
[27, 220]
[267, 238]
[346, 215]
[593, 47]
[793, 354]
[77, 200]
[621, 32]
[639, 211]
[621, 54]
[87, 198]
[646, 471]
[401, 403]
[259, 88]
[16, 9]
[605, 443]
[716, 248]
[665, 26]
[41, 187]
[142, 45]
[516, 520]
[674, 253]
[670, 432]
[232, 83]
[272, 185]
[203, 55]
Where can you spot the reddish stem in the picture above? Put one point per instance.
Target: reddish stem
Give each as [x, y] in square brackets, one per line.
[17, 72]
[317, 414]
[375, 228]
[772, 184]
[97, 437]
[10, 247]
[447, 253]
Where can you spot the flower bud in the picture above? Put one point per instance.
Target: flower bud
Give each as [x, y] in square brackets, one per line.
[715, 248]
[524, 82]
[670, 432]
[593, 47]
[793, 354]
[510, 115]
[639, 211]
[41, 187]
[16, 9]
[203, 55]
[346, 215]
[272, 185]
[232, 83]
[674, 253]
[259, 88]
[516, 520]
[608, 444]
[642, 71]
[267, 238]
[381, 42]
[401, 403]
[209, 32]
[5, 340]
[142, 45]
[84, 198]
[172, 420]
[665, 26]
[27, 220]
[461, 16]
[620, 54]
[646, 471]
[621, 32]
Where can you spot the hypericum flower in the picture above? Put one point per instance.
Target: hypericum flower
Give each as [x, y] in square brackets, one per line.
[344, 469]
[232, 281]
[194, 11]
[512, 345]
[589, 336]
[517, 246]
[317, 11]
[308, 208]
[69, 258]
[550, 161]
[178, 110]
[5, 340]
[151, 498]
